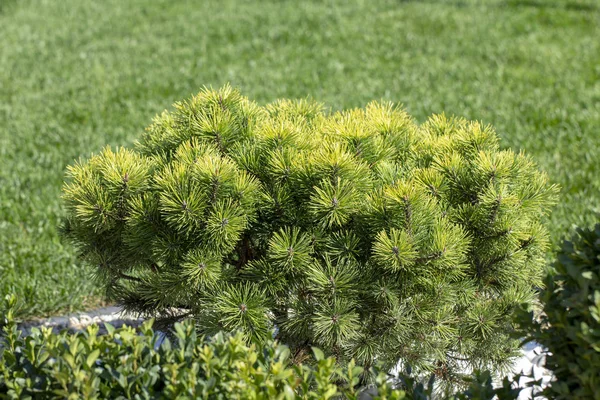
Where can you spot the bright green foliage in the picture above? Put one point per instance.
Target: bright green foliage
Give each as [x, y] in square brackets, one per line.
[360, 232]
[127, 363]
[569, 327]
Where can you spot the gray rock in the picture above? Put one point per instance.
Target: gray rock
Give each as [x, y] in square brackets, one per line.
[80, 321]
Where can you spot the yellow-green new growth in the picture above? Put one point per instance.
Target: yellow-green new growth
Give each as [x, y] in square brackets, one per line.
[358, 231]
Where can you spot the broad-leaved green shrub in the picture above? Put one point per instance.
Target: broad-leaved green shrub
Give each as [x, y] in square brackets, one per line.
[569, 325]
[360, 232]
[127, 363]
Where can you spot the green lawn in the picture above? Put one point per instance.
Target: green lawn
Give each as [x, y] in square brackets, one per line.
[76, 75]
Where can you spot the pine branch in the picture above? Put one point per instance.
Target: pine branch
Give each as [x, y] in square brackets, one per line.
[129, 277]
[407, 216]
[430, 257]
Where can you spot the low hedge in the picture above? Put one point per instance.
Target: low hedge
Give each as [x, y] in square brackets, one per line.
[129, 363]
[138, 364]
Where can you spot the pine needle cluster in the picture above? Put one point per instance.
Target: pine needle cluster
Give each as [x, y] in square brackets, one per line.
[360, 232]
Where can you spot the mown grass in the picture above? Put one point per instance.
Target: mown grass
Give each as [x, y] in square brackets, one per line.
[77, 75]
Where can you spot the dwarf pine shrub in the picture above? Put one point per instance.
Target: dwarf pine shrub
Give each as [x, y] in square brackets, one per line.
[360, 232]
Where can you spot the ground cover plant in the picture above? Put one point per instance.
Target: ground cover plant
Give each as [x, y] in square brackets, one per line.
[76, 75]
[360, 231]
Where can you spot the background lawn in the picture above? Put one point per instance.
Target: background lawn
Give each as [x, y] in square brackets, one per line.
[76, 75]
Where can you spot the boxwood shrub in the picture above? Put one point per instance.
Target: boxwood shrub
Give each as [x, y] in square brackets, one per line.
[569, 325]
[127, 363]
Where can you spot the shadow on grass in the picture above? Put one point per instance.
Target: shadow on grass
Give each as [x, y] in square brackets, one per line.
[6, 6]
[571, 5]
